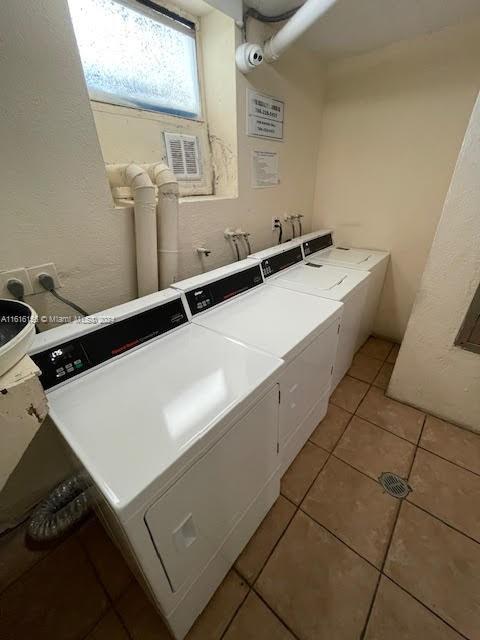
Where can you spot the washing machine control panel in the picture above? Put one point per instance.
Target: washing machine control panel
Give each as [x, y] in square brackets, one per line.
[208, 296]
[107, 341]
[271, 266]
[317, 244]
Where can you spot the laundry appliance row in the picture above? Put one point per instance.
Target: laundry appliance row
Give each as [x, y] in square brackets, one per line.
[188, 405]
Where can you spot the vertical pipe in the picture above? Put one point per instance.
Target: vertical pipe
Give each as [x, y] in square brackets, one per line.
[167, 223]
[145, 221]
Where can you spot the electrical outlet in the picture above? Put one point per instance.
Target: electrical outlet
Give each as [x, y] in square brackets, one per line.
[48, 268]
[17, 274]
[275, 219]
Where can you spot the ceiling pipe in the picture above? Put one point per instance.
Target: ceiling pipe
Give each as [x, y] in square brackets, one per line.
[250, 55]
[302, 20]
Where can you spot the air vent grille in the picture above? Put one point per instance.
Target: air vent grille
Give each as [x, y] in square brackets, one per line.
[183, 156]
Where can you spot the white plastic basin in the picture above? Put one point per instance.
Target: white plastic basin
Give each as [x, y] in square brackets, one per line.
[17, 330]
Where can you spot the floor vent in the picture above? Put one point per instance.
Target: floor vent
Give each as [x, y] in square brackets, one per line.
[394, 485]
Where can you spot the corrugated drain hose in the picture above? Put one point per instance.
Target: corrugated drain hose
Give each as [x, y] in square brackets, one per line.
[66, 506]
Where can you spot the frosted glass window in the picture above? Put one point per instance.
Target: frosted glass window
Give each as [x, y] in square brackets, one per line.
[135, 57]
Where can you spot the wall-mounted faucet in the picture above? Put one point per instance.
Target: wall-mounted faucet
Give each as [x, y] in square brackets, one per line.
[203, 251]
[233, 237]
[298, 217]
[245, 235]
[291, 220]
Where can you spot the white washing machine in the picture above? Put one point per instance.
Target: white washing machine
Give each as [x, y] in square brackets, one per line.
[300, 329]
[177, 426]
[284, 267]
[318, 248]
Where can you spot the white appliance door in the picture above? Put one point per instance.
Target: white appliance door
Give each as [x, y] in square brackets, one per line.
[192, 520]
[353, 313]
[305, 379]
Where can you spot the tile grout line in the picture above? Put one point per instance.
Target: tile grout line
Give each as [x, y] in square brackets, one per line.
[381, 571]
[416, 447]
[297, 509]
[434, 613]
[110, 600]
[251, 587]
[450, 526]
[110, 606]
[456, 464]
[389, 543]
[239, 606]
[334, 535]
[374, 424]
[48, 552]
[269, 607]
[374, 596]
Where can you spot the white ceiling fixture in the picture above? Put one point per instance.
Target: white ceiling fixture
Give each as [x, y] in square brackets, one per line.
[248, 55]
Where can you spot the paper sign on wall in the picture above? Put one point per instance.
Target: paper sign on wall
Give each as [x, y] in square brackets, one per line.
[265, 169]
[264, 116]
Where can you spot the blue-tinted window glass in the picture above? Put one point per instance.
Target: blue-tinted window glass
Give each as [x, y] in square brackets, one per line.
[132, 58]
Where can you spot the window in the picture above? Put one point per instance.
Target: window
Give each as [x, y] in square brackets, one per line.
[469, 335]
[134, 55]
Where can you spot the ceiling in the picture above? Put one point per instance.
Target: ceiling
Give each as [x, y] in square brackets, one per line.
[357, 26]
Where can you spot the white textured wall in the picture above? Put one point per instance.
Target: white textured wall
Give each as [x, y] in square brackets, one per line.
[431, 373]
[56, 203]
[298, 79]
[392, 125]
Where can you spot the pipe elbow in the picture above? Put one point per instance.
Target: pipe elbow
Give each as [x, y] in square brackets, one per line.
[269, 52]
[136, 176]
[164, 178]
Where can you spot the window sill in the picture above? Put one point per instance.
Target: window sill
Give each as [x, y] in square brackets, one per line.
[127, 203]
[205, 198]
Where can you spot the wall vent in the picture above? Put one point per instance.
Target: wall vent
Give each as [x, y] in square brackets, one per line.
[183, 156]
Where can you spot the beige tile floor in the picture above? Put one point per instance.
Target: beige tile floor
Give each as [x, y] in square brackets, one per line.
[335, 559]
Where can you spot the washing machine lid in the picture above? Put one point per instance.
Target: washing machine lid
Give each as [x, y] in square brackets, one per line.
[364, 259]
[137, 423]
[137, 418]
[328, 281]
[279, 321]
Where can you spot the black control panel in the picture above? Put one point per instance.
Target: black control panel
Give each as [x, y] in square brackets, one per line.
[64, 361]
[221, 290]
[317, 244]
[281, 261]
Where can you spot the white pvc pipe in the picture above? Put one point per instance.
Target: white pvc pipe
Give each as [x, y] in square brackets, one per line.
[303, 19]
[145, 217]
[167, 223]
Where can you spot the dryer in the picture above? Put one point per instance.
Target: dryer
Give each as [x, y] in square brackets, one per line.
[177, 426]
[284, 267]
[299, 328]
[318, 248]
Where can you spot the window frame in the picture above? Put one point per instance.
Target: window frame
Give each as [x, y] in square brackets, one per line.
[168, 122]
[469, 324]
[165, 15]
